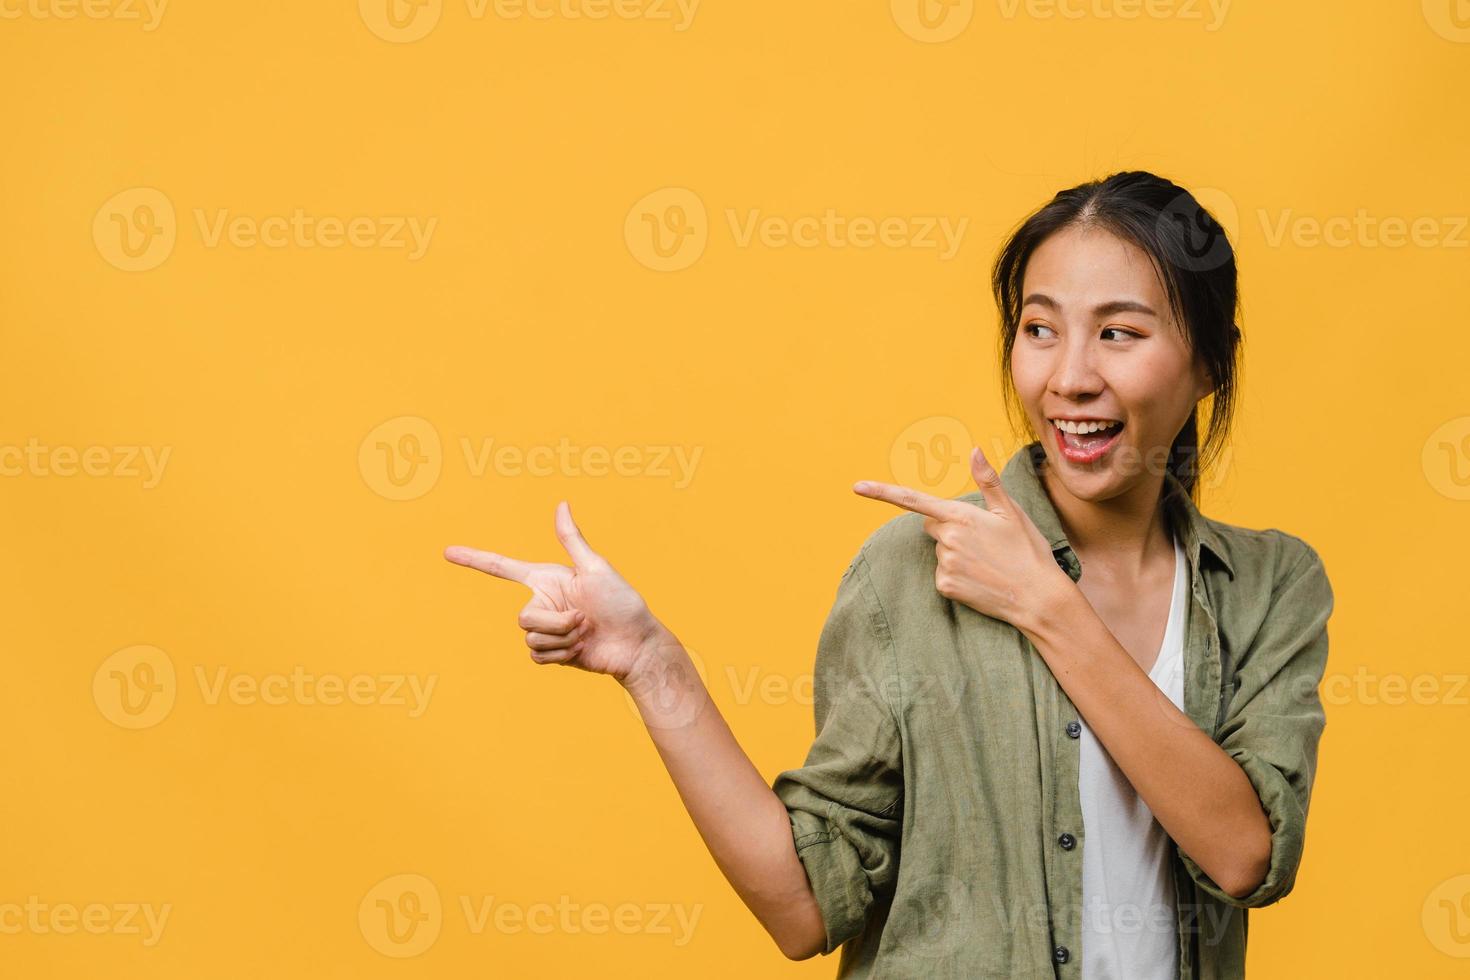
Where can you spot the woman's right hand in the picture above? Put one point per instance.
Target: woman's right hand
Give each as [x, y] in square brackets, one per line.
[587, 616]
[584, 616]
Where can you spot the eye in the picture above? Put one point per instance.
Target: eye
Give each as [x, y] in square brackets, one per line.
[1038, 326]
[1121, 331]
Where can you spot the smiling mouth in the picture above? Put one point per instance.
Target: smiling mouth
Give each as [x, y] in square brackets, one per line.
[1085, 441]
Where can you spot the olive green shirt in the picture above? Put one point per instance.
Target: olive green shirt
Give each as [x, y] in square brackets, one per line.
[937, 814]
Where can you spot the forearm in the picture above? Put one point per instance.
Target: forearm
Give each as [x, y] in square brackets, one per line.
[743, 823]
[1197, 792]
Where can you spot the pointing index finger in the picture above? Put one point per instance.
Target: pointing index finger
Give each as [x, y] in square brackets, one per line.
[908, 498]
[510, 569]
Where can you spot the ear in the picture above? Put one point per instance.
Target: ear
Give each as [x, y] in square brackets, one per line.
[1204, 384]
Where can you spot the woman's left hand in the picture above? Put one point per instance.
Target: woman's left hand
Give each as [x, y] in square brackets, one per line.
[993, 559]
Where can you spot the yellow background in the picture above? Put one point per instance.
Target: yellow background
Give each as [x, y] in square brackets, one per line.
[272, 541]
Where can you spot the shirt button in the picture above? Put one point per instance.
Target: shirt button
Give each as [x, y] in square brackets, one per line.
[1060, 954]
[1074, 729]
[1067, 841]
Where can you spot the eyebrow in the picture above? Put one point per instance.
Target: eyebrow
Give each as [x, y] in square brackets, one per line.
[1104, 309]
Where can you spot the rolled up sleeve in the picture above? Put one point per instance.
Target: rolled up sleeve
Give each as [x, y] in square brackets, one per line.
[1274, 721]
[846, 801]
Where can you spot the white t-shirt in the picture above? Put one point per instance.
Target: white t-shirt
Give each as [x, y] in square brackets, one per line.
[1129, 922]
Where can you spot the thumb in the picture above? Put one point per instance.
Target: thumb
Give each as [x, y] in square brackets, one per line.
[997, 501]
[571, 537]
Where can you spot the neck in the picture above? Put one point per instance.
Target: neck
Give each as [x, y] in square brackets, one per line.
[1126, 534]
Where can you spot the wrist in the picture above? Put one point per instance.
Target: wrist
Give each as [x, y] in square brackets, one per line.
[651, 654]
[663, 684]
[1052, 608]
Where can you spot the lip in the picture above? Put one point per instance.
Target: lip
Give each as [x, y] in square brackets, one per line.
[1076, 456]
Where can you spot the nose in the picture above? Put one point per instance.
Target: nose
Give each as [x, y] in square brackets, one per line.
[1075, 375]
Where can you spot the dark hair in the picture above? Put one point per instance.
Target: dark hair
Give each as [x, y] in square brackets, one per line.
[1196, 264]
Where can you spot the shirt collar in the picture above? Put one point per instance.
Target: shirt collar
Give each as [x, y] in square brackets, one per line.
[1021, 478]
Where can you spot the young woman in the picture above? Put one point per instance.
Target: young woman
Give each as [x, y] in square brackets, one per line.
[1067, 725]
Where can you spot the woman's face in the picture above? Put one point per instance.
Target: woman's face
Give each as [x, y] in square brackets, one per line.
[1097, 342]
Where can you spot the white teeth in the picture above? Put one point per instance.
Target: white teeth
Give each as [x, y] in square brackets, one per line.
[1082, 428]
